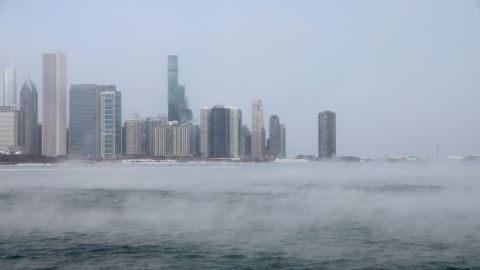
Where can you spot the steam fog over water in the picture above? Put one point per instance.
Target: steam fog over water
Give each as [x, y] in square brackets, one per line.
[241, 216]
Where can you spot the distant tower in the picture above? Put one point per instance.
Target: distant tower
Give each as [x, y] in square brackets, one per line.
[177, 102]
[327, 146]
[275, 137]
[10, 88]
[54, 132]
[205, 127]
[28, 119]
[258, 131]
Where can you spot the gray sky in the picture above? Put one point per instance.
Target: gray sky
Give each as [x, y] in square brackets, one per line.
[402, 76]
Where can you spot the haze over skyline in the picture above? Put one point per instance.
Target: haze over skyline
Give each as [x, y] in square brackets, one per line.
[402, 76]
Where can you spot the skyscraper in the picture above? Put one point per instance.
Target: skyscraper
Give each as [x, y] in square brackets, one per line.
[54, 105]
[110, 122]
[275, 140]
[235, 130]
[258, 131]
[220, 131]
[177, 102]
[246, 142]
[84, 128]
[326, 135]
[10, 88]
[28, 119]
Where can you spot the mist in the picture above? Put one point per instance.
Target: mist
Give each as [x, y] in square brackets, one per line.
[305, 211]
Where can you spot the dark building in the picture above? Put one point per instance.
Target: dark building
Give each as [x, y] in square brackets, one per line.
[246, 141]
[28, 122]
[177, 102]
[327, 145]
[275, 138]
[220, 132]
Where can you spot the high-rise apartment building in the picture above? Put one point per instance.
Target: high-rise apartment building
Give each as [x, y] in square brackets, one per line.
[205, 143]
[235, 130]
[54, 135]
[135, 136]
[177, 102]
[10, 88]
[28, 119]
[274, 140]
[8, 129]
[327, 146]
[174, 140]
[258, 131]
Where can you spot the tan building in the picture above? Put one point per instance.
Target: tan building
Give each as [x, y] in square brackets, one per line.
[8, 128]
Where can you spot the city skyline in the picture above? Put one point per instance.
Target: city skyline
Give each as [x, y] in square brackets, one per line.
[388, 98]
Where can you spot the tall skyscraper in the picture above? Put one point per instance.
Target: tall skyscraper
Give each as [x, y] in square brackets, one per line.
[28, 119]
[177, 102]
[235, 130]
[84, 128]
[327, 146]
[8, 129]
[10, 88]
[220, 131]
[110, 122]
[283, 139]
[258, 131]
[54, 135]
[275, 137]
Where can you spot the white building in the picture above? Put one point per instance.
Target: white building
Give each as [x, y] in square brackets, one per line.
[10, 88]
[54, 137]
[173, 140]
[8, 128]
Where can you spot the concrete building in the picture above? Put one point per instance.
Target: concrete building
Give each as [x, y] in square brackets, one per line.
[174, 140]
[258, 131]
[54, 135]
[8, 129]
[274, 140]
[135, 141]
[150, 125]
[177, 102]
[327, 145]
[28, 119]
[10, 88]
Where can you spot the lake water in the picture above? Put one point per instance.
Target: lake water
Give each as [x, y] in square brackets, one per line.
[241, 216]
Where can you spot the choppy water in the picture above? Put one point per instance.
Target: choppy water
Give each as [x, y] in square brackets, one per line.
[240, 216]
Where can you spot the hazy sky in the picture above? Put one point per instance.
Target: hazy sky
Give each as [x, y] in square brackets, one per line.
[402, 76]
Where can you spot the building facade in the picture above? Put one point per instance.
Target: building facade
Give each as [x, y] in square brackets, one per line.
[54, 137]
[258, 131]
[327, 144]
[135, 136]
[8, 128]
[274, 140]
[10, 88]
[110, 122]
[28, 119]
